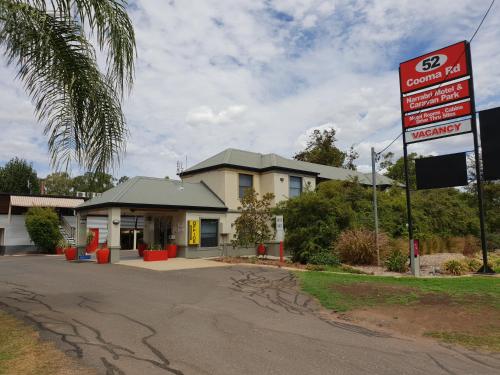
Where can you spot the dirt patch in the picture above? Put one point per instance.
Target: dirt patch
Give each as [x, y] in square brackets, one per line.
[373, 291]
[418, 319]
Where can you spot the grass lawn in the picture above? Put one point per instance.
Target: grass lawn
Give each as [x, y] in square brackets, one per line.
[23, 353]
[463, 310]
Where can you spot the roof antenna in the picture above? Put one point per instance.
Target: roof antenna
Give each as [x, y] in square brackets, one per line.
[180, 167]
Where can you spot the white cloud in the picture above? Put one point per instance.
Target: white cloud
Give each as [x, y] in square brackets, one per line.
[259, 74]
[206, 115]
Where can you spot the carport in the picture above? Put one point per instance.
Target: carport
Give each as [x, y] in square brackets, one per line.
[166, 205]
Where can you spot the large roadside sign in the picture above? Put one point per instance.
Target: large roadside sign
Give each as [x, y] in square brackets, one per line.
[435, 88]
[437, 101]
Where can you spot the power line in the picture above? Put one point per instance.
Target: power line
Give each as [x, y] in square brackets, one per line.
[481, 23]
[390, 144]
[470, 41]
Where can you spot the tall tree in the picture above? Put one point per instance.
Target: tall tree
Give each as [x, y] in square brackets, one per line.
[253, 225]
[321, 149]
[80, 106]
[19, 177]
[396, 170]
[350, 159]
[58, 183]
[93, 182]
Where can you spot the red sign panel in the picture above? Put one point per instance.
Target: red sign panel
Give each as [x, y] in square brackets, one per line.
[448, 112]
[435, 97]
[434, 68]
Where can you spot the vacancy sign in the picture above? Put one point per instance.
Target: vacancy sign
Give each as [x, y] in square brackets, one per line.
[434, 68]
[448, 112]
[438, 131]
[441, 95]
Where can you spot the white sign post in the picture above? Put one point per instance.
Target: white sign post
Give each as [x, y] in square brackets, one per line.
[280, 229]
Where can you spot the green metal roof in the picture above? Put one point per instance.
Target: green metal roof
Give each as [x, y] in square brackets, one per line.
[149, 191]
[256, 161]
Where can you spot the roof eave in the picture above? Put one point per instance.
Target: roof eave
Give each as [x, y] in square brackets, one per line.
[143, 205]
[245, 168]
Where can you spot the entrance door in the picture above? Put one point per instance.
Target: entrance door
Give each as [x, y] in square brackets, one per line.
[2, 233]
[162, 229]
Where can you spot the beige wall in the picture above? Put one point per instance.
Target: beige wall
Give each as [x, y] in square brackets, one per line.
[225, 183]
[214, 179]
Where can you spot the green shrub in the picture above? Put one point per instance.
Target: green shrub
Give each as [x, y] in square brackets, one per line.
[396, 261]
[42, 225]
[473, 264]
[358, 246]
[493, 241]
[326, 258]
[455, 267]
[315, 267]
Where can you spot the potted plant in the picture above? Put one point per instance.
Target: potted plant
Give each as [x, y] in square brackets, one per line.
[102, 254]
[90, 239]
[261, 249]
[61, 245]
[172, 250]
[154, 253]
[70, 253]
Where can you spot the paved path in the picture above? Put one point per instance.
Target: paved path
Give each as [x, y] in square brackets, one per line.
[224, 320]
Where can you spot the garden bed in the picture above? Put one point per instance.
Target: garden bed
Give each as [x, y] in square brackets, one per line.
[287, 264]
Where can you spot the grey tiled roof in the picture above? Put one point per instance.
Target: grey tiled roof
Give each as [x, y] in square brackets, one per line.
[159, 192]
[253, 160]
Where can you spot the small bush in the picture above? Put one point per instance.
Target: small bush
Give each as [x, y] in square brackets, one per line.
[455, 267]
[473, 264]
[396, 261]
[324, 258]
[357, 246]
[315, 267]
[42, 225]
[471, 246]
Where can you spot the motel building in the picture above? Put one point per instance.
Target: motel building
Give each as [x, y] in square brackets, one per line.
[162, 211]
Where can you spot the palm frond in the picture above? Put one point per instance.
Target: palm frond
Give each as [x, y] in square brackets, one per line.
[78, 104]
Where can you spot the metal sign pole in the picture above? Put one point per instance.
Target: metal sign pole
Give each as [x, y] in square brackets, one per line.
[479, 186]
[375, 206]
[407, 188]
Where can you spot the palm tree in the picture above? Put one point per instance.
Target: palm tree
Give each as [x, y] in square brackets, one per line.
[49, 43]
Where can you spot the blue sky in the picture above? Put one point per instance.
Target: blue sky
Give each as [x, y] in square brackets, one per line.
[261, 75]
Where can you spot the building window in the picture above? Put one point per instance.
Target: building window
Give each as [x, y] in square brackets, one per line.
[246, 182]
[209, 232]
[295, 186]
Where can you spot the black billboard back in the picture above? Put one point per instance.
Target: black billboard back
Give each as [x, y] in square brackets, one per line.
[441, 171]
[490, 143]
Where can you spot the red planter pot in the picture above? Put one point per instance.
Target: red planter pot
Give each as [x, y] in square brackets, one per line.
[141, 248]
[59, 250]
[261, 249]
[172, 251]
[70, 253]
[102, 256]
[154, 255]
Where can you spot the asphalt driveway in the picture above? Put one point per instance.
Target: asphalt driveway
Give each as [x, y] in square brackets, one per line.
[224, 320]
